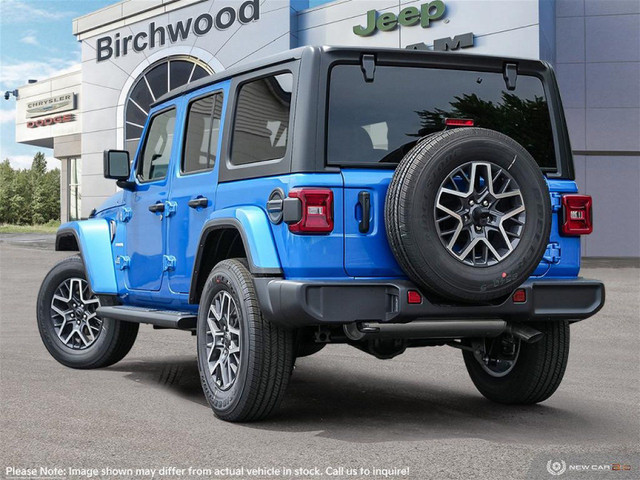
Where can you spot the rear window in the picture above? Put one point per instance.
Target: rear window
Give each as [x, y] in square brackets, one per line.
[378, 122]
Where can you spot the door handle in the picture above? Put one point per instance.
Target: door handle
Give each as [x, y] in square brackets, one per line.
[197, 202]
[364, 199]
[157, 207]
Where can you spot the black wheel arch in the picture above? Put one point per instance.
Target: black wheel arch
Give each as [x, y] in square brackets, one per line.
[67, 241]
[222, 239]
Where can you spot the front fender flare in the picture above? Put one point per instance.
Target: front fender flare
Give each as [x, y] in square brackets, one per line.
[93, 239]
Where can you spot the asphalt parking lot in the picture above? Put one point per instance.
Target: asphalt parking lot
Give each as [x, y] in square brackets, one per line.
[418, 412]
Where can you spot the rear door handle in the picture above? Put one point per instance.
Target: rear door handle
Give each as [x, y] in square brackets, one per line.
[364, 199]
[157, 207]
[199, 202]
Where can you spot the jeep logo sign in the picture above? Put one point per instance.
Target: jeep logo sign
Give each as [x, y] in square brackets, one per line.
[407, 17]
[108, 46]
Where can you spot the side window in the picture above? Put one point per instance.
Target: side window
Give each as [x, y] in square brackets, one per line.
[156, 155]
[202, 133]
[261, 125]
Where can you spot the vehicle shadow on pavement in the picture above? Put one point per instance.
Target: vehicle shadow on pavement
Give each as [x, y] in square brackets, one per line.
[178, 375]
[371, 407]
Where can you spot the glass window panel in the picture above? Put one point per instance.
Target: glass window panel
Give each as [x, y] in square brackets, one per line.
[133, 131]
[156, 155]
[197, 135]
[180, 71]
[373, 122]
[199, 73]
[157, 78]
[262, 120]
[202, 132]
[141, 95]
[135, 114]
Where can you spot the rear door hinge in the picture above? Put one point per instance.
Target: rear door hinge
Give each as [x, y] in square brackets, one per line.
[553, 253]
[122, 262]
[168, 263]
[125, 214]
[556, 201]
[170, 208]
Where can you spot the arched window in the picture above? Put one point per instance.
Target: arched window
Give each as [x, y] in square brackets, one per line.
[155, 81]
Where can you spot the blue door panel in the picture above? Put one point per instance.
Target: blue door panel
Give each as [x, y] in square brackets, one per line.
[367, 254]
[185, 226]
[145, 239]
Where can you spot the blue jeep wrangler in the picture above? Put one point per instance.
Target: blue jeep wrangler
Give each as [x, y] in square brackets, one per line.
[381, 198]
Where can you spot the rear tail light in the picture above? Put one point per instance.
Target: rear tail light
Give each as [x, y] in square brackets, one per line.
[458, 122]
[576, 215]
[317, 210]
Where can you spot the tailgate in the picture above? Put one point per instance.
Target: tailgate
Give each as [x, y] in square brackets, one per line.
[367, 253]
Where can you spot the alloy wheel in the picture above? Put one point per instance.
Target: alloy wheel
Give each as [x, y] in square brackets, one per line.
[223, 340]
[73, 312]
[480, 213]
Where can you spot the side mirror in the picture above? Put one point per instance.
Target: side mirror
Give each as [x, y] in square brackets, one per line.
[116, 164]
[117, 167]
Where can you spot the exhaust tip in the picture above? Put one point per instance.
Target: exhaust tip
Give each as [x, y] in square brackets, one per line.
[525, 333]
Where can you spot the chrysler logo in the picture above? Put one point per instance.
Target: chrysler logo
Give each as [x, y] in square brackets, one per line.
[57, 104]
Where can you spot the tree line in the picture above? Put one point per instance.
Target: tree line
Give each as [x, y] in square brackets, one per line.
[29, 196]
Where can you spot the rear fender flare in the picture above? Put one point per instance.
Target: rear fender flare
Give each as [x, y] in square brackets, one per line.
[92, 238]
[255, 231]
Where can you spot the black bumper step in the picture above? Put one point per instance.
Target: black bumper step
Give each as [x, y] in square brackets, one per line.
[159, 318]
[294, 303]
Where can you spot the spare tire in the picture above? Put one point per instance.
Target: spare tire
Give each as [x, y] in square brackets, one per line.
[468, 214]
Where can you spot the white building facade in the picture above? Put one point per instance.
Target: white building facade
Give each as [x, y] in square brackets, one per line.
[136, 50]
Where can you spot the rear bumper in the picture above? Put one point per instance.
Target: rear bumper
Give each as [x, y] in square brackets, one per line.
[295, 303]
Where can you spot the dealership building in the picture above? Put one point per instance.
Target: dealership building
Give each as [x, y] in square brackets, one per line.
[134, 51]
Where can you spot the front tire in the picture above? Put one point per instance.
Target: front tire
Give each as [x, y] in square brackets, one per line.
[69, 327]
[529, 375]
[244, 360]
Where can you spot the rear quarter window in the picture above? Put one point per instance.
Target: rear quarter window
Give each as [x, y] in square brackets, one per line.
[378, 122]
[261, 126]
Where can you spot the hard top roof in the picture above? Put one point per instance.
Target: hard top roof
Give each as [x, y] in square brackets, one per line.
[445, 59]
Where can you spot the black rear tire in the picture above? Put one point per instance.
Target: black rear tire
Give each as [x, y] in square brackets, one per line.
[113, 342]
[266, 351]
[411, 226]
[537, 372]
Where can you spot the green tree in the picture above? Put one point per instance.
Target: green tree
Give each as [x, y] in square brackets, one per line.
[21, 200]
[47, 206]
[29, 196]
[6, 191]
[45, 203]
